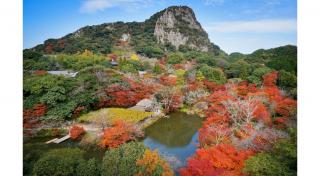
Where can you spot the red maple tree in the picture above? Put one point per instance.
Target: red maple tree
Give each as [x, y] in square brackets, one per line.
[76, 131]
[118, 134]
[31, 117]
[124, 95]
[221, 159]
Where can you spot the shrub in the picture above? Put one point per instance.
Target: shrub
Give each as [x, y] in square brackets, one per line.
[175, 58]
[122, 160]
[59, 162]
[213, 74]
[157, 69]
[76, 132]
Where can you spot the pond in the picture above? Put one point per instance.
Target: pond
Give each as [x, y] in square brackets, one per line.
[175, 138]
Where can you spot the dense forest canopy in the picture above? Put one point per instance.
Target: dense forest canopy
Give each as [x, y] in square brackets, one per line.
[88, 79]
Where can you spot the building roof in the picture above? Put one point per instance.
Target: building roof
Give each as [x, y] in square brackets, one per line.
[64, 73]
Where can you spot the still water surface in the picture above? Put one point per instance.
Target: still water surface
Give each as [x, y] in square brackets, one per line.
[175, 138]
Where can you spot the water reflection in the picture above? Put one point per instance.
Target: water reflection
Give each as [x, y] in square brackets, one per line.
[176, 137]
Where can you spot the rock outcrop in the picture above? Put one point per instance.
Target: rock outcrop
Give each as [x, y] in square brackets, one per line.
[178, 26]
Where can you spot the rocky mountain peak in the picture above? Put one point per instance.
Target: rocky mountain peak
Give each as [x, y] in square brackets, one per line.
[177, 25]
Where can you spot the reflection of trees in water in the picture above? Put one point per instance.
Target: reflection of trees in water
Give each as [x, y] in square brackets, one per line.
[173, 161]
[175, 131]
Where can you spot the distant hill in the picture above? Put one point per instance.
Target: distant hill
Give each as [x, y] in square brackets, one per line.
[174, 28]
[280, 58]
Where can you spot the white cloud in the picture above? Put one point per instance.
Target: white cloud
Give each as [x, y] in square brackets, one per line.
[90, 6]
[273, 2]
[248, 43]
[258, 26]
[213, 2]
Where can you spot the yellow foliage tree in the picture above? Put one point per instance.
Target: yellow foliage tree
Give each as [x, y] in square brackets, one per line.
[180, 74]
[87, 53]
[134, 57]
[199, 76]
[151, 164]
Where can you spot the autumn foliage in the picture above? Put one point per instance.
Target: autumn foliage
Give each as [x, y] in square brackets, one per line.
[212, 86]
[124, 95]
[119, 133]
[270, 79]
[76, 131]
[48, 48]
[151, 164]
[40, 72]
[170, 98]
[221, 159]
[31, 117]
[77, 111]
[234, 111]
[168, 80]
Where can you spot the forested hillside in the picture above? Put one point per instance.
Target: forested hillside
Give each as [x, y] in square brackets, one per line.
[105, 84]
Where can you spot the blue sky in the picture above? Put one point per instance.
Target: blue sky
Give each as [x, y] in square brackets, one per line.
[234, 25]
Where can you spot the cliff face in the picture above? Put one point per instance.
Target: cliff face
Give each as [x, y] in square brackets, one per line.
[179, 26]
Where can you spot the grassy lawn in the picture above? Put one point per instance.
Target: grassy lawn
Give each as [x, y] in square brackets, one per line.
[111, 114]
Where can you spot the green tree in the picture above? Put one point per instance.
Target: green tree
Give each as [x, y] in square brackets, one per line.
[157, 69]
[282, 160]
[287, 79]
[54, 95]
[205, 58]
[59, 162]
[239, 69]
[266, 164]
[257, 74]
[152, 51]
[213, 74]
[175, 58]
[29, 54]
[61, 111]
[121, 161]
[88, 168]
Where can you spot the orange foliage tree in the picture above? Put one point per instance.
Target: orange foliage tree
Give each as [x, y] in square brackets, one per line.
[235, 112]
[119, 133]
[125, 95]
[40, 72]
[221, 159]
[31, 117]
[168, 80]
[286, 107]
[76, 131]
[270, 79]
[151, 164]
[212, 86]
[48, 48]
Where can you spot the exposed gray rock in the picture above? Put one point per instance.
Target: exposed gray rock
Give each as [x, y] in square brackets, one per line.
[178, 26]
